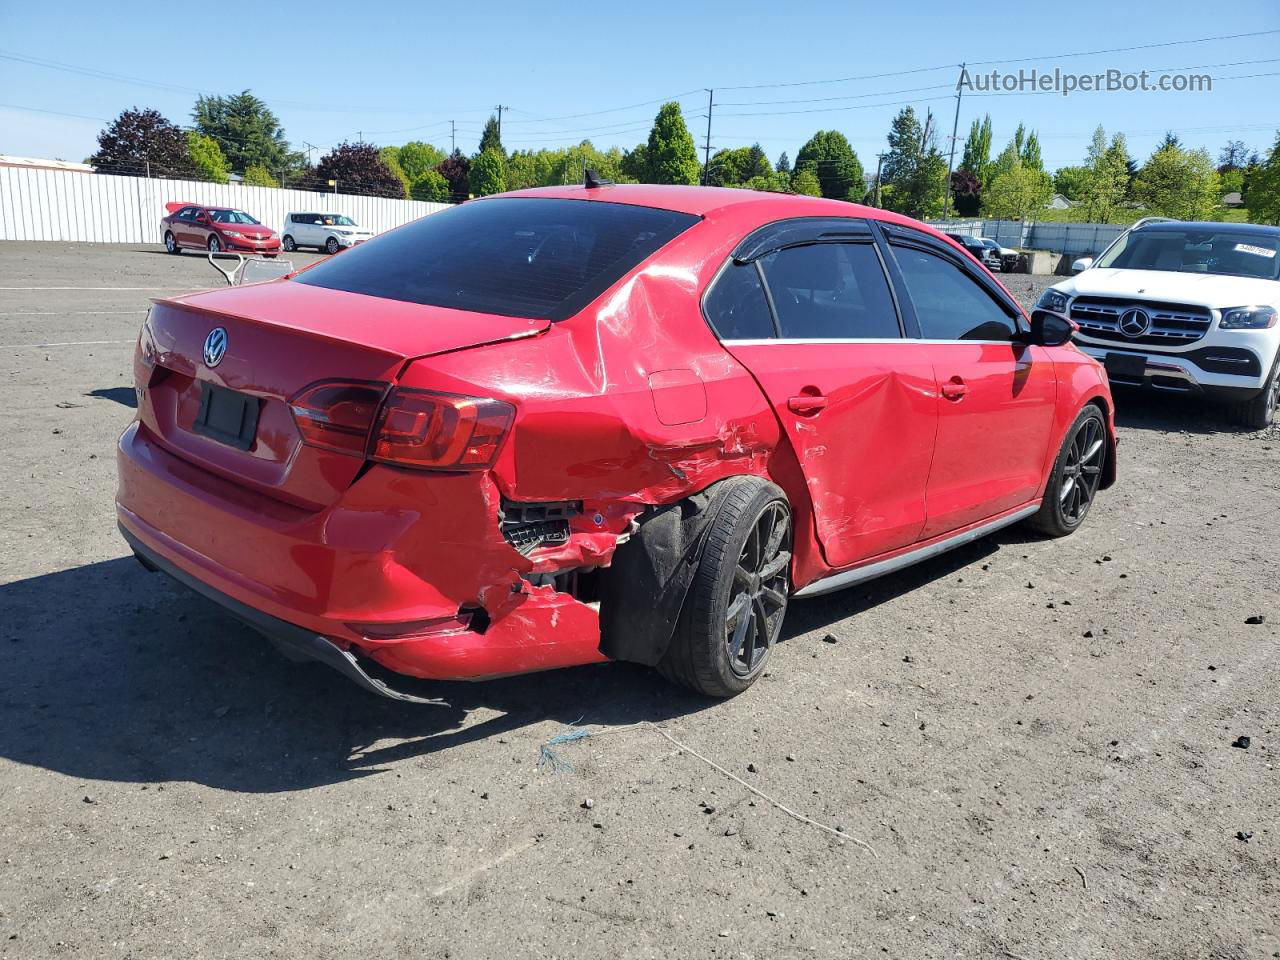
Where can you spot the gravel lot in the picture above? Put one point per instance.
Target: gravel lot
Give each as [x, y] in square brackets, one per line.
[1034, 737]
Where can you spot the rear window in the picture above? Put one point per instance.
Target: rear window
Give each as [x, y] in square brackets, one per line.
[517, 256]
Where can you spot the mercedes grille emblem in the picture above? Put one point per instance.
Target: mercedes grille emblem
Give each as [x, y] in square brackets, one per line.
[215, 346]
[1134, 322]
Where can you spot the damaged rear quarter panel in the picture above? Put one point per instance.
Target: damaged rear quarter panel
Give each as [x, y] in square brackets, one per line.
[590, 423]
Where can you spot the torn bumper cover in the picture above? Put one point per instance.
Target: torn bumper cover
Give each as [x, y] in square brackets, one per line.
[410, 572]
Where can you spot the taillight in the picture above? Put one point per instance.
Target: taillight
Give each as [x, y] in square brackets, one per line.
[338, 415]
[440, 431]
[410, 428]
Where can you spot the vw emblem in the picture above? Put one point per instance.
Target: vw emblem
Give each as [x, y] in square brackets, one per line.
[215, 346]
[1134, 322]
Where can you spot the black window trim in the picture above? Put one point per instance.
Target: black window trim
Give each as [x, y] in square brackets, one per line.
[808, 231]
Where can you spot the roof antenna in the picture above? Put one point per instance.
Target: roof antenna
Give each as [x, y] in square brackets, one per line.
[592, 180]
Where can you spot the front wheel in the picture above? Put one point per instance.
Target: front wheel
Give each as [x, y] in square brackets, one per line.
[733, 613]
[215, 245]
[288, 244]
[1260, 412]
[331, 246]
[1076, 476]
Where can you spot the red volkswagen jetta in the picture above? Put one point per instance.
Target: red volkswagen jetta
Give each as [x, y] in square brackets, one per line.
[569, 425]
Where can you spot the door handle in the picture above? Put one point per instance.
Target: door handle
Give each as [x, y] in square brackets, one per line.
[807, 405]
[954, 389]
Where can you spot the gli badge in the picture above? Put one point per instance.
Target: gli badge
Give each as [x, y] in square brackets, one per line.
[215, 346]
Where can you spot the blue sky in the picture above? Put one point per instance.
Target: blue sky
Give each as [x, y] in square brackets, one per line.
[401, 71]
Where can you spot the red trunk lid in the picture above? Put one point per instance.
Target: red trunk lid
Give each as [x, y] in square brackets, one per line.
[280, 337]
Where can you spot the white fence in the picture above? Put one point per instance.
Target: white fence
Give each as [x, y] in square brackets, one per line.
[1072, 239]
[101, 208]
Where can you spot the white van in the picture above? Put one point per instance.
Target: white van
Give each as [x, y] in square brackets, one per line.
[324, 231]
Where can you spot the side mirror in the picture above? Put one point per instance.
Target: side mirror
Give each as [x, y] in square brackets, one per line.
[1084, 263]
[1050, 330]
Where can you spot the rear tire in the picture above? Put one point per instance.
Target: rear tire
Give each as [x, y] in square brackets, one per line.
[171, 243]
[288, 244]
[1260, 412]
[733, 613]
[1076, 475]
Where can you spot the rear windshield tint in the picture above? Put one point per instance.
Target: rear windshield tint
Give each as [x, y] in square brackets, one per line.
[517, 256]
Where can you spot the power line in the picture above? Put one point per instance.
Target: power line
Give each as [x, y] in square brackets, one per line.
[1143, 46]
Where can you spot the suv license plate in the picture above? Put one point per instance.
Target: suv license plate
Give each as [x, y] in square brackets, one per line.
[1125, 366]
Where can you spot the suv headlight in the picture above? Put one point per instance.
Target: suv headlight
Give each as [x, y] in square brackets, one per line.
[1247, 318]
[343, 233]
[1055, 301]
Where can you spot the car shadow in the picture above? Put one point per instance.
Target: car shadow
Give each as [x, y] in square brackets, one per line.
[1170, 412]
[126, 396]
[112, 673]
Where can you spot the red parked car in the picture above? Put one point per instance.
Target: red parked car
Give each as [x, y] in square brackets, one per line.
[215, 229]
[568, 425]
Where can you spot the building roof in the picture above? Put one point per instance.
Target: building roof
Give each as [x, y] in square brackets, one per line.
[36, 163]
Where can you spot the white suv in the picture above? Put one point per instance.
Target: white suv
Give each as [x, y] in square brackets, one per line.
[1184, 307]
[324, 231]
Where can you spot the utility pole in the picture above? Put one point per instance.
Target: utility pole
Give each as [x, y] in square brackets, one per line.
[955, 129]
[500, 108]
[453, 136]
[706, 150]
[360, 136]
[310, 147]
[879, 163]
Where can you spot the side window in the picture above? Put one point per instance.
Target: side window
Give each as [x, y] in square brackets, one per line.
[187, 213]
[949, 304]
[831, 291]
[736, 306]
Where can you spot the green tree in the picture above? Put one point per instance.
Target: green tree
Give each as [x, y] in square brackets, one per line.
[734, 167]
[491, 137]
[784, 163]
[207, 158]
[431, 186]
[772, 182]
[1016, 194]
[906, 147]
[1107, 178]
[391, 157]
[1031, 157]
[805, 182]
[635, 163]
[416, 158]
[1179, 183]
[246, 130]
[142, 143]
[1262, 187]
[488, 173]
[670, 156]
[923, 191]
[258, 175]
[977, 149]
[828, 156]
[1010, 158]
[1071, 182]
